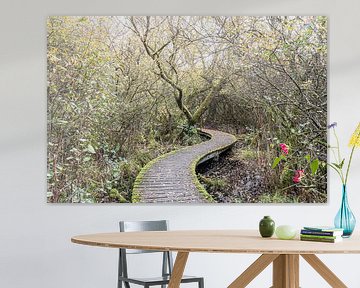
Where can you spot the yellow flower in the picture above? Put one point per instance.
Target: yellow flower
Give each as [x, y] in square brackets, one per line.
[355, 138]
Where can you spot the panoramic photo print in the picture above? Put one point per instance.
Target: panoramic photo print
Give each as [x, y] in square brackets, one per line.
[187, 109]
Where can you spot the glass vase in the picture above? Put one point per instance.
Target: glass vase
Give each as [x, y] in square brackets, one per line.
[345, 219]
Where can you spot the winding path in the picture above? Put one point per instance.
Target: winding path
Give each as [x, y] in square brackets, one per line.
[171, 178]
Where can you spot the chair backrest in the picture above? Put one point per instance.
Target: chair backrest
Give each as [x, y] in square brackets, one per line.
[133, 226]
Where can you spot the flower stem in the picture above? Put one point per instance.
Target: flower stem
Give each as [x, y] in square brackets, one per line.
[340, 170]
[337, 171]
[348, 166]
[338, 145]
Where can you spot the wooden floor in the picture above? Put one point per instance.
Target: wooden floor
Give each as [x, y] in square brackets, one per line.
[171, 178]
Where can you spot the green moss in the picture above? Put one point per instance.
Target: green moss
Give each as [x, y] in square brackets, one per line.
[248, 154]
[135, 198]
[277, 197]
[115, 194]
[197, 183]
[215, 183]
[194, 164]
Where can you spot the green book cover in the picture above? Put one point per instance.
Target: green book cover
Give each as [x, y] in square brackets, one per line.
[319, 236]
[321, 239]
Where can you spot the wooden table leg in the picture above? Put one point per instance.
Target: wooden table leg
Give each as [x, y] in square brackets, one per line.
[178, 270]
[253, 270]
[286, 271]
[324, 271]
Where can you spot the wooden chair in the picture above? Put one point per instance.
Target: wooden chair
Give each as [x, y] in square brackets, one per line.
[167, 262]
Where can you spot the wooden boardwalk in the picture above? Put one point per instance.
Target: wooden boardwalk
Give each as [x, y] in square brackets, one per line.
[171, 178]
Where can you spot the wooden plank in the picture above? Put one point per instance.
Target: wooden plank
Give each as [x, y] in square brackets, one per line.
[221, 241]
[286, 271]
[253, 270]
[293, 270]
[178, 270]
[324, 271]
[279, 269]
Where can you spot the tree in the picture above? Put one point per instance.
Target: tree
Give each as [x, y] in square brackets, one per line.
[175, 46]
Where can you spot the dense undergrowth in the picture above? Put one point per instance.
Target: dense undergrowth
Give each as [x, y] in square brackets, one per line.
[244, 175]
[102, 175]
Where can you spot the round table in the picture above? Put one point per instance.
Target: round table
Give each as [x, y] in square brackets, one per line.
[284, 254]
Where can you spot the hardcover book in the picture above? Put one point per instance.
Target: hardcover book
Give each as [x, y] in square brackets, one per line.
[326, 240]
[321, 233]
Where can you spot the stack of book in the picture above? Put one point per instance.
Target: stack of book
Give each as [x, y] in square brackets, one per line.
[321, 234]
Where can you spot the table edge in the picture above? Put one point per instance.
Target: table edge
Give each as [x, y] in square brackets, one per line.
[203, 250]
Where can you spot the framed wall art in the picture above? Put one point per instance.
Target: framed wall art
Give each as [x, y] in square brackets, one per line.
[187, 109]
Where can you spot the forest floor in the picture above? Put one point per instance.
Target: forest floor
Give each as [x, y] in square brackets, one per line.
[235, 177]
[240, 176]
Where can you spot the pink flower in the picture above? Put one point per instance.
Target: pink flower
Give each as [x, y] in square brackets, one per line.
[284, 148]
[298, 175]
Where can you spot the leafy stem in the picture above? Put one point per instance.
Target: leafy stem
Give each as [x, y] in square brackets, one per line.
[340, 162]
[337, 171]
[337, 145]
[348, 166]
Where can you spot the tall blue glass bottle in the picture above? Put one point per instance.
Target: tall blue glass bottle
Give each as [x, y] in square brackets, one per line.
[345, 219]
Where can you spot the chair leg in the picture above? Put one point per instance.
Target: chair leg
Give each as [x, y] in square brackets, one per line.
[201, 283]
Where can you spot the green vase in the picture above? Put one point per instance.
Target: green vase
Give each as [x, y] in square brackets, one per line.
[267, 227]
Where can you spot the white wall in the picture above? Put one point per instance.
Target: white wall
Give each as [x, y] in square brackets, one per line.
[35, 248]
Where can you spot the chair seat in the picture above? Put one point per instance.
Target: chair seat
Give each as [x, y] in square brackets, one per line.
[158, 280]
